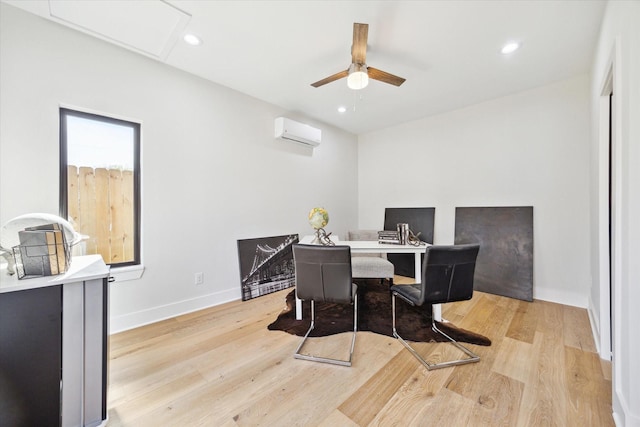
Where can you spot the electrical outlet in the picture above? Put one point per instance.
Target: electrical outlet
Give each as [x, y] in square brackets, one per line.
[199, 278]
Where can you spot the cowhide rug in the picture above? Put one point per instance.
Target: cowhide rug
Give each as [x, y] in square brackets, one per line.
[374, 315]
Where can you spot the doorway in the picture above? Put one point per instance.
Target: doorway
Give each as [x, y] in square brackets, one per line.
[608, 213]
[611, 225]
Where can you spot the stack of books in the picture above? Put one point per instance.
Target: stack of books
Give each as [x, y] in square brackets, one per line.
[43, 251]
[390, 237]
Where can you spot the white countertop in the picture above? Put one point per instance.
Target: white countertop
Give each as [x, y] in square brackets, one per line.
[82, 268]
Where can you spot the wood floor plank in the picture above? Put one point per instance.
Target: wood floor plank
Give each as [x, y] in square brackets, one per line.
[577, 331]
[370, 355]
[584, 389]
[365, 403]
[222, 367]
[337, 418]
[492, 321]
[541, 405]
[523, 324]
[514, 359]
[544, 402]
[550, 319]
[142, 334]
[218, 400]
[273, 408]
[419, 393]
[441, 413]
[121, 392]
[499, 403]
[135, 408]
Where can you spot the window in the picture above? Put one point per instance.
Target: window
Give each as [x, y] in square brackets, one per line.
[100, 184]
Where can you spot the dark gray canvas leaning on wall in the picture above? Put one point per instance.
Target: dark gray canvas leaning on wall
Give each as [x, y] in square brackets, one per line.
[505, 261]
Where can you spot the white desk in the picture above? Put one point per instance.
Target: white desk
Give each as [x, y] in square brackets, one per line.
[373, 247]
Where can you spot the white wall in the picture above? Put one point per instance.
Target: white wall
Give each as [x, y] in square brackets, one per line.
[212, 172]
[526, 149]
[618, 45]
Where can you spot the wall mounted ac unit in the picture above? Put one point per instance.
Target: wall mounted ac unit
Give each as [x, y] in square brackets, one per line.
[297, 132]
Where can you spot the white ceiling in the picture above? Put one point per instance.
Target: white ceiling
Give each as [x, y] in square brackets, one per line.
[273, 50]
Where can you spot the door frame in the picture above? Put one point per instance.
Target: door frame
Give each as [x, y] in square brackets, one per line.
[609, 227]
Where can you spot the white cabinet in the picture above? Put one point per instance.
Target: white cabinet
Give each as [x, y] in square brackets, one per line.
[58, 326]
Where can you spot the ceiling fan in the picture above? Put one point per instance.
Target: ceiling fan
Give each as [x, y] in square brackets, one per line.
[358, 73]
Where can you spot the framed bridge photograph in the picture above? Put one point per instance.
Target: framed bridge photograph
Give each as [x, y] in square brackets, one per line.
[266, 265]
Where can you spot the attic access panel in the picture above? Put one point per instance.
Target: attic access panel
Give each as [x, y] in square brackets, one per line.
[505, 261]
[147, 27]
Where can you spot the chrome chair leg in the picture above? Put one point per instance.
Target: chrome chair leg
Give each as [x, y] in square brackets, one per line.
[320, 359]
[472, 356]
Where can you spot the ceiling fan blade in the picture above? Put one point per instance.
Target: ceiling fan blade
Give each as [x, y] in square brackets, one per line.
[385, 77]
[359, 46]
[333, 78]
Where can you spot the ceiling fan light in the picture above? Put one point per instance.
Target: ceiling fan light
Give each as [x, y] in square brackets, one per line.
[358, 77]
[357, 80]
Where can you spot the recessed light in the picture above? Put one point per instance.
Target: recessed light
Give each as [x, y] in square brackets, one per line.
[342, 109]
[510, 47]
[192, 39]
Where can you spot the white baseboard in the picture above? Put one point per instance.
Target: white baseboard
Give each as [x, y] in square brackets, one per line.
[624, 417]
[156, 314]
[595, 329]
[566, 298]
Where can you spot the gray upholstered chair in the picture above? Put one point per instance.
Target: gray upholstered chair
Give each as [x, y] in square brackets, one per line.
[323, 273]
[369, 266]
[447, 276]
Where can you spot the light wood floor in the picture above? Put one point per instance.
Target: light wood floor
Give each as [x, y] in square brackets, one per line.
[222, 367]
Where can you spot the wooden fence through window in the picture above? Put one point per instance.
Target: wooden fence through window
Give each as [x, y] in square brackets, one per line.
[100, 205]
